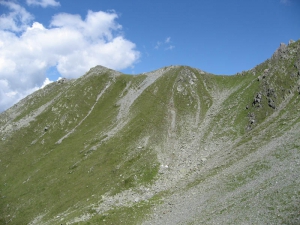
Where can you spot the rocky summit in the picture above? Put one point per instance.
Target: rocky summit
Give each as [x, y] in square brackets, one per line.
[174, 146]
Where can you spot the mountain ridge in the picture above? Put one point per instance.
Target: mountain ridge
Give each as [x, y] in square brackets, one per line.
[173, 146]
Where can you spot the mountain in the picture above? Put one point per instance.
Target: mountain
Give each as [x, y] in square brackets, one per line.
[174, 146]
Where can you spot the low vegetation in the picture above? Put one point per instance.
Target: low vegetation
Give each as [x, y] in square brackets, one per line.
[176, 145]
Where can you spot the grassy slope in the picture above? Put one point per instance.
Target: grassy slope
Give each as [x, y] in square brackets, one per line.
[55, 177]
[40, 177]
[276, 202]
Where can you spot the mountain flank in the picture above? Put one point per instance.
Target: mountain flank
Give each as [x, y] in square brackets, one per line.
[174, 146]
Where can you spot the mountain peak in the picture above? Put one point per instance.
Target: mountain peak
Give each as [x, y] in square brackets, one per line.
[173, 146]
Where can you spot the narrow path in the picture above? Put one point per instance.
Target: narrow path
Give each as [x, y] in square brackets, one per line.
[90, 111]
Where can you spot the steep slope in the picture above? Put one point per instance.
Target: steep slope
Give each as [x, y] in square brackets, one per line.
[173, 146]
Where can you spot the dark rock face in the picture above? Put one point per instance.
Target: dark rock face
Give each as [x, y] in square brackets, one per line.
[280, 53]
[252, 121]
[61, 81]
[257, 100]
[271, 103]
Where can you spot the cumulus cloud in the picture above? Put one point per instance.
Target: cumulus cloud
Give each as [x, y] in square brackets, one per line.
[17, 19]
[71, 44]
[43, 3]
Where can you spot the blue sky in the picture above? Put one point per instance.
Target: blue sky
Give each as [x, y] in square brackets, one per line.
[41, 40]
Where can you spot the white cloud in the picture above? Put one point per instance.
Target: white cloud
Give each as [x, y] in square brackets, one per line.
[286, 2]
[157, 45]
[43, 3]
[9, 96]
[163, 44]
[170, 47]
[17, 19]
[71, 43]
[46, 82]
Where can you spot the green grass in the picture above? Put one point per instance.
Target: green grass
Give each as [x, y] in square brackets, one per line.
[249, 174]
[125, 215]
[62, 175]
[40, 177]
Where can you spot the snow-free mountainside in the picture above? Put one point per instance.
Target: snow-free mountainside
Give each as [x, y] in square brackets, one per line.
[174, 146]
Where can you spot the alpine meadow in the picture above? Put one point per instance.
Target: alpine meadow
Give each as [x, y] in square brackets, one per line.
[177, 145]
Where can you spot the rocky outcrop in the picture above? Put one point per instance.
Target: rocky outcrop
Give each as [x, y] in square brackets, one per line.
[62, 81]
[257, 100]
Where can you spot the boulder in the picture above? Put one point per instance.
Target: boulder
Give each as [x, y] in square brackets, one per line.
[270, 92]
[62, 81]
[271, 103]
[297, 64]
[291, 42]
[257, 99]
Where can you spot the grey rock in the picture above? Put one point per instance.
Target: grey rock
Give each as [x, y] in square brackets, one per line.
[291, 42]
[257, 99]
[248, 128]
[266, 72]
[251, 121]
[271, 103]
[62, 81]
[297, 64]
[282, 46]
[280, 53]
[271, 92]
